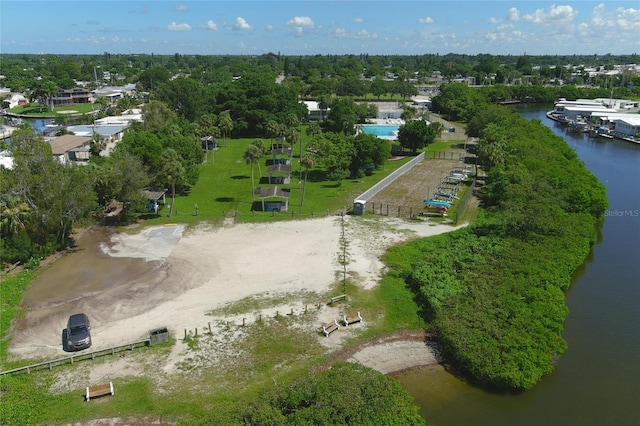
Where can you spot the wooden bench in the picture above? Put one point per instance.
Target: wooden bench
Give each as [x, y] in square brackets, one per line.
[330, 327]
[351, 318]
[99, 390]
[335, 299]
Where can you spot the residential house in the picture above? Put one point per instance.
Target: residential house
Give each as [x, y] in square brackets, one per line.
[71, 149]
[110, 134]
[15, 100]
[78, 95]
[315, 113]
[628, 126]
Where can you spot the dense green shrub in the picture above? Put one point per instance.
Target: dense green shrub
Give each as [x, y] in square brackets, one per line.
[346, 394]
[494, 291]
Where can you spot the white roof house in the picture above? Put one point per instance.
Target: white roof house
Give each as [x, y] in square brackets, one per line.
[629, 126]
[315, 114]
[126, 118]
[16, 99]
[6, 159]
[111, 134]
[573, 112]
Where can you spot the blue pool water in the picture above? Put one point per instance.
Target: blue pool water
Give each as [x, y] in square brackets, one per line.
[380, 130]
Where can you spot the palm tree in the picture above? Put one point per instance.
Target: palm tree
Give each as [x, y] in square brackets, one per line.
[273, 130]
[324, 102]
[293, 136]
[252, 155]
[260, 145]
[14, 215]
[306, 162]
[225, 123]
[291, 120]
[172, 172]
[205, 127]
[314, 129]
[97, 144]
[50, 89]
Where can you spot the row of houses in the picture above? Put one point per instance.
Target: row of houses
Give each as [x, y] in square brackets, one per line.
[75, 148]
[76, 95]
[619, 117]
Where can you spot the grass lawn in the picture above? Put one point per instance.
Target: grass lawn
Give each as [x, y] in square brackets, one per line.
[34, 110]
[224, 189]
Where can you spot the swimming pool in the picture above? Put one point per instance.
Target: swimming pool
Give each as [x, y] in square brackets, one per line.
[380, 130]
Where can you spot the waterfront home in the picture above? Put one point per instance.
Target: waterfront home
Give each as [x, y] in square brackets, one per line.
[627, 126]
[125, 118]
[78, 95]
[15, 100]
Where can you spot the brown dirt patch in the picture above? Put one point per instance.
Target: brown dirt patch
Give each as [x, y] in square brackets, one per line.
[407, 193]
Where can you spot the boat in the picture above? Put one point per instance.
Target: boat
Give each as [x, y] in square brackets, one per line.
[446, 195]
[435, 209]
[578, 126]
[455, 179]
[437, 203]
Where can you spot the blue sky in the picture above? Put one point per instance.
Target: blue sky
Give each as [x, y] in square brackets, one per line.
[307, 27]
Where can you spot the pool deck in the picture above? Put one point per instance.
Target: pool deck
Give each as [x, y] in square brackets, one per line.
[386, 121]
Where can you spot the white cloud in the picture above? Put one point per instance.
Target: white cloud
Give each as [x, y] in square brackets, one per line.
[513, 14]
[210, 25]
[359, 20]
[178, 27]
[182, 7]
[493, 20]
[301, 21]
[364, 34]
[426, 20]
[620, 18]
[242, 25]
[340, 33]
[556, 14]
[360, 35]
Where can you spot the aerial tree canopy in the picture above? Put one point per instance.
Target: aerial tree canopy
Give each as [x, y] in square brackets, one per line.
[318, 399]
[416, 134]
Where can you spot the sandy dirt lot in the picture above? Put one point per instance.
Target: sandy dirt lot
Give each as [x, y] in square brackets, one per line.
[192, 273]
[171, 277]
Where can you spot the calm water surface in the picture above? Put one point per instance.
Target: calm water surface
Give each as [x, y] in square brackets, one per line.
[597, 381]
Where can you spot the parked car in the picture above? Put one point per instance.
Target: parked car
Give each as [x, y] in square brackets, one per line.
[78, 332]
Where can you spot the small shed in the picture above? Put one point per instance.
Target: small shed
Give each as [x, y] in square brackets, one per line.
[359, 207]
[153, 196]
[274, 192]
[280, 168]
[276, 154]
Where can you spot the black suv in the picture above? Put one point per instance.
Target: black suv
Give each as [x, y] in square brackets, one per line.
[78, 332]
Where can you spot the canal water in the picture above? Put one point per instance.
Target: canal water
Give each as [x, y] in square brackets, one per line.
[597, 381]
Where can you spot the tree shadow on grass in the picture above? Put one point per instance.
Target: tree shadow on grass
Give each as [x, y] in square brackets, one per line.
[237, 177]
[331, 185]
[315, 176]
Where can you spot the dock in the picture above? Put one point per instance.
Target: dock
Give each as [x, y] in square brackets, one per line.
[6, 131]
